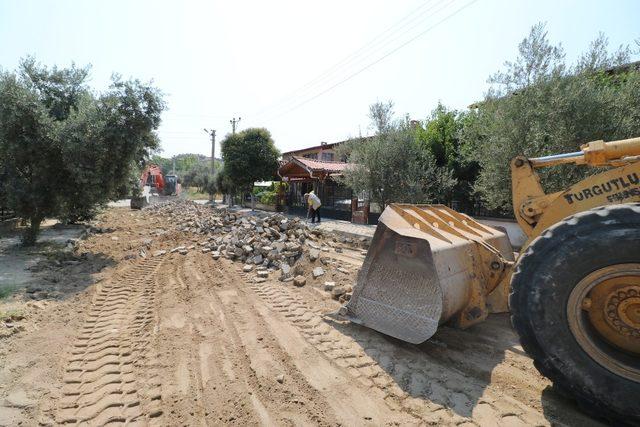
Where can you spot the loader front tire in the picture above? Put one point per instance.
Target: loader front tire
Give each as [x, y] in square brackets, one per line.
[575, 303]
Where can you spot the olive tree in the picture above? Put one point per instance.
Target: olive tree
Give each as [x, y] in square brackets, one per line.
[393, 166]
[66, 150]
[440, 134]
[31, 156]
[539, 105]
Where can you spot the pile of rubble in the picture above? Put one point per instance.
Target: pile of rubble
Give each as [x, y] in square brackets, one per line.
[265, 242]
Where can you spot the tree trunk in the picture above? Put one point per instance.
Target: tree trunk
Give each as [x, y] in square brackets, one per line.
[30, 234]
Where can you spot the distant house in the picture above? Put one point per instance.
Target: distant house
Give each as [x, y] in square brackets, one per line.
[315, 168]
[325, 152]
[304, 174]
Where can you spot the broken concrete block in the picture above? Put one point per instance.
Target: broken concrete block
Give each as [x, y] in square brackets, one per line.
[285, 271]
[314, 254]
[317, 272]
[299, 280]
[338, 291]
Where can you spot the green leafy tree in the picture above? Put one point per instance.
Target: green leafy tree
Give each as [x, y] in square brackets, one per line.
[441, 137]
[30, 156]
[65, 150]
[222, 182]
[249, 156]
[538, 105]
[393, 166]
[101, 142]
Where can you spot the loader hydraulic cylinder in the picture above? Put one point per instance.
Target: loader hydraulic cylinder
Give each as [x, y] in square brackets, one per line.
[594, 153]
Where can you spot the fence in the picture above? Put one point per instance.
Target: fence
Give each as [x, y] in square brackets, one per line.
[6, 214]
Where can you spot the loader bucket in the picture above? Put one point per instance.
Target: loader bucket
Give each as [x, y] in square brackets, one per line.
[427, 264]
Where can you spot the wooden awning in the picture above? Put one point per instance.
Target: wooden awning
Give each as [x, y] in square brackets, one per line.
[302, 168]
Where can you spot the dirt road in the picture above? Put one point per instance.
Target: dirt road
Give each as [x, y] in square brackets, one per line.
[189, 340]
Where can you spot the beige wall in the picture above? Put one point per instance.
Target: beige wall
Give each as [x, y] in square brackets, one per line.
[314, 153]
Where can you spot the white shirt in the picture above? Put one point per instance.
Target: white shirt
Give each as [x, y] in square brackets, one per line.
[314, 201]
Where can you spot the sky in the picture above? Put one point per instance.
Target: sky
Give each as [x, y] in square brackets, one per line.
[307, 71]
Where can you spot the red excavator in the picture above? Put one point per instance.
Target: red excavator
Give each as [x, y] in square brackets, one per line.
[153, 183]
[152, 177]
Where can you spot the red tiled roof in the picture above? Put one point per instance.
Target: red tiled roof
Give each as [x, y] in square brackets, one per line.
[322, 165]
[301, 167]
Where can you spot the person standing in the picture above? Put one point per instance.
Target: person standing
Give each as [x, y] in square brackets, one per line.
[314, 206]
[307, 203]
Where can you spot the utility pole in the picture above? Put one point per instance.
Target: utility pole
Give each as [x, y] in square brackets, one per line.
[234, 122]
[212, 133]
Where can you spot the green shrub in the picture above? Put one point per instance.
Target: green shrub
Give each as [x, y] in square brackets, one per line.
[268, 197]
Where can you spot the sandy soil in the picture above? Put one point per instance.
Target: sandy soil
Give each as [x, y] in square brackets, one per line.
[189, 340]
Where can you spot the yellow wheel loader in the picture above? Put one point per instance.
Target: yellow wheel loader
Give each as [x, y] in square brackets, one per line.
[573, 291]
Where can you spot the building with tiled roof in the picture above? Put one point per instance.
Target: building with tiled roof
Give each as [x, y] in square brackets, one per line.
[296, 168]
[306, 174]
[325, 152]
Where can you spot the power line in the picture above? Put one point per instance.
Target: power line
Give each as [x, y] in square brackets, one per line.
[361, 54]
[376, 61]
[180, 138]
[381, 47]
[349, 58]
[179, 132]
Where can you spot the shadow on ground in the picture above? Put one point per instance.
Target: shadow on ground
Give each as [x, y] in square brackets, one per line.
[50, 270]
[454, 368]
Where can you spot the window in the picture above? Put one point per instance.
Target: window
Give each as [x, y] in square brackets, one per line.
[327, 157]
[311, 156]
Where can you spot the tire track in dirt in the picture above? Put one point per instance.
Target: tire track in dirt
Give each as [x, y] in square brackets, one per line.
[408, 380]
[225, 361]
[111, 374]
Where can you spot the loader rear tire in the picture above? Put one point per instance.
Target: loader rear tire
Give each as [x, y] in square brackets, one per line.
[546, 279]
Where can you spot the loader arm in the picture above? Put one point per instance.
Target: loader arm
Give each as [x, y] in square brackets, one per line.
[536, 211]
